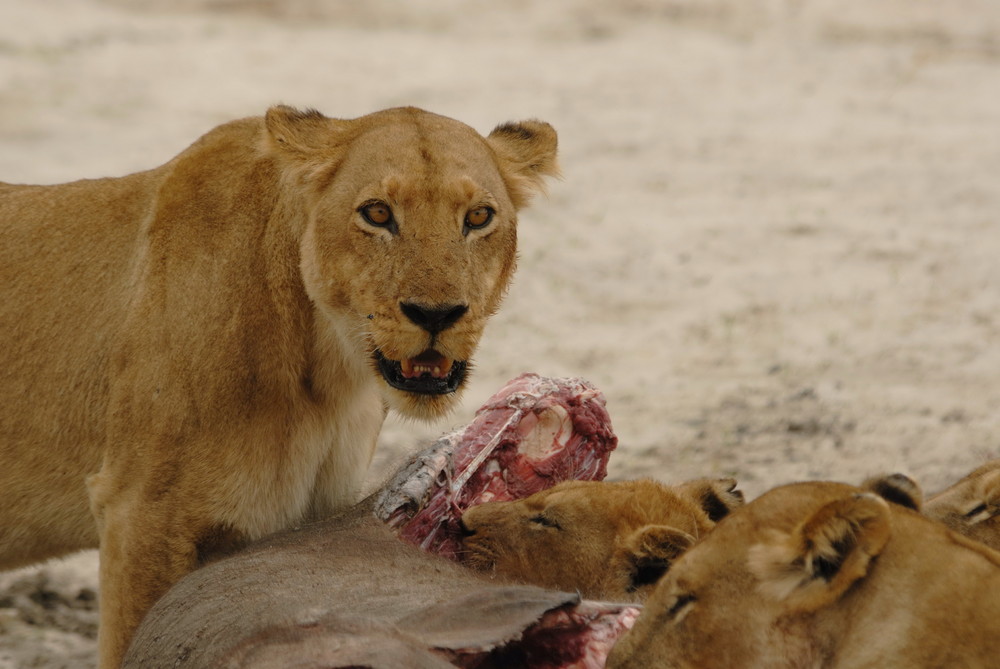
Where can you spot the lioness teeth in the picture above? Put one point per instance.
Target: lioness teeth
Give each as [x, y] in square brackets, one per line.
[414, 367]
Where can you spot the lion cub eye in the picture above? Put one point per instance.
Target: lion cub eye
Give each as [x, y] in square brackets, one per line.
[679, 605]
[545, 521]
[378, 214]
[479, 217]
[977, 511]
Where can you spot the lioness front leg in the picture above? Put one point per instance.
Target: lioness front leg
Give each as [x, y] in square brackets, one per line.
[143, 552]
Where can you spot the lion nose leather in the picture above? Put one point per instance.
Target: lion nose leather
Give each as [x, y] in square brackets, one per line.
[433, 319]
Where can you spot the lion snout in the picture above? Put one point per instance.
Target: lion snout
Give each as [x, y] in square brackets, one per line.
[434, 319]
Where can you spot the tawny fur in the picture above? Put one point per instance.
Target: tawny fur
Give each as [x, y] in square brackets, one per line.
[187, 352]
[972, 505]
[607, 540]
[822, 575]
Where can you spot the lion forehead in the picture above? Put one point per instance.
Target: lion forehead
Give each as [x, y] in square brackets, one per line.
[424, 142]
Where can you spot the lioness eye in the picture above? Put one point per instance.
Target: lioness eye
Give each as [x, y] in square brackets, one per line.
[545, 521]
[479, 217]
[377, 213]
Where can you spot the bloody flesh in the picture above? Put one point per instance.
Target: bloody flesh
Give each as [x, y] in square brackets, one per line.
[532, 434]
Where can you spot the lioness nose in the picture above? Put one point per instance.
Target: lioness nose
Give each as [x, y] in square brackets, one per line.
[433, 319]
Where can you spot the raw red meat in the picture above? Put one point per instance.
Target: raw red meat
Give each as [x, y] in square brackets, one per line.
[532, 434]
[575, 636]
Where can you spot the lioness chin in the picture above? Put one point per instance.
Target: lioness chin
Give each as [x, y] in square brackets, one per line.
[203, 353]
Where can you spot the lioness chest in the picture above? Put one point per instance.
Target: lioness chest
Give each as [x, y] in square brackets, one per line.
[318, 465]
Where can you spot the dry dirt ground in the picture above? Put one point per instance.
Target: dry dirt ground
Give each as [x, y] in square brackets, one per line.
[776, 246]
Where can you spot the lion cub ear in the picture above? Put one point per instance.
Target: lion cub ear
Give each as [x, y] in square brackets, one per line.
[896, 488]
[300, 133]
[526, 152]
[646, 554]
[717, 497]
[815, 564]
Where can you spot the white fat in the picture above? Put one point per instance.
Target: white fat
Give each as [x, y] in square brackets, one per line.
[550, 433]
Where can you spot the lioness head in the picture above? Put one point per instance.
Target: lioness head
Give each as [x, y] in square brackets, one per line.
[410, 238]
[820, 574]
[609, 540]
[794, 548]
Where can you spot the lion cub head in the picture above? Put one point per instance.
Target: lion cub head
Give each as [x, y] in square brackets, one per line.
[609, 540]
[972, 505]
[410, 235]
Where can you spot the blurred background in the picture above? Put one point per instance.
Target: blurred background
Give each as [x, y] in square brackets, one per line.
[775, 246]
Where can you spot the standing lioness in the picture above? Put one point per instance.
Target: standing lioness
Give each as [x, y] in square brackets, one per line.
[204, 353]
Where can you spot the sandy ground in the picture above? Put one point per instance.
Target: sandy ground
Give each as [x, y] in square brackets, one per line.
[775, 248]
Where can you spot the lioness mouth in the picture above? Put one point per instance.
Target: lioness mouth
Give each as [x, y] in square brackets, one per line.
[430, 373]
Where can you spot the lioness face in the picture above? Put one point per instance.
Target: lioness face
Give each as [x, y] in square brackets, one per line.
[412, 237]
[609, 540]
[743, 596]
[705, 612]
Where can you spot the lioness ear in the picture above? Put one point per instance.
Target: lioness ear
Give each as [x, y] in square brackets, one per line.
[526, 152]
[896, 488]
[718, 497]
[646, 554]
[813, 565]
[300, 133]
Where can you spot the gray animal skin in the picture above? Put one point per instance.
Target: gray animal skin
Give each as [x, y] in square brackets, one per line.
[347, 592]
